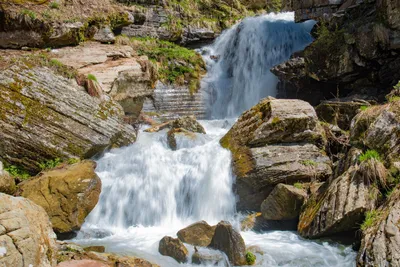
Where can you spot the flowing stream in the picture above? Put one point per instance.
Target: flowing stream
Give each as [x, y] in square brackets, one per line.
[150, 191]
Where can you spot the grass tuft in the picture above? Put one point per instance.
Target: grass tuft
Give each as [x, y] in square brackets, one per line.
[371, 217]
[370, 154]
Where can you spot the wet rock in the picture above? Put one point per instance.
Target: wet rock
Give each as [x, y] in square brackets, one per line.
[379, 245]
[44, 116]
[104, 35]
[273, 143]
[188, 123]
[70, 254]
[209, 257]
[342, 206]
[68, 194]
[175, 133]
[197, 234]
[7, 183]
[100, 249]
[229, 241]
[284, 203]
[173, 248]
[26, 236]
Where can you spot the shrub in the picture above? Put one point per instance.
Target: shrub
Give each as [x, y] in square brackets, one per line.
[369, 154]
[250, 258]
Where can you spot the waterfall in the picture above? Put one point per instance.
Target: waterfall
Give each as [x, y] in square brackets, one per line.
[240, 59]
[150, 191]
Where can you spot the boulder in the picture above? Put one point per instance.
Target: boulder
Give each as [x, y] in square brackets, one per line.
[380, 243]
[229, 241]
[275, 142]
[7, 182]
[175, 133]
[104, 35]
[188, 123]
[197, 234]
[68, 194]
[341, 207]
[284, 203]
[44, 116]
[209, 257]
[26, 236]
[173, 248]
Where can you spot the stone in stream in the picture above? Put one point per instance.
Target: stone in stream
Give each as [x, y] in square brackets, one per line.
[229, 241]
[26, 236]
[284, 203]
[68, 194]
[173, 248]
[197, 234]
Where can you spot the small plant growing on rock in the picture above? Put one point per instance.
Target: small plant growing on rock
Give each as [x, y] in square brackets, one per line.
[17, 172]
[29, 13]
[364, 108]
[92, 77]
[54, 5]
[50, 164]
[369, 154]
[250, 258]
[308, 162]
[71, 161]
[371, 217]
[298, 185]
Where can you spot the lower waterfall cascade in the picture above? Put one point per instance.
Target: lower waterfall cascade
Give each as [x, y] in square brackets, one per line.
[150, 191]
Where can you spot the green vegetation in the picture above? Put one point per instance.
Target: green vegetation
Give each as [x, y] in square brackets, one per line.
[71, 161]
[250, 258]
[176, 64]
[17, 172]
[364, 108]
[54, 5]
[29, 13]
[371, 217]
[369, 154]
[394, 99]
[92, 77]
[308, 162]
[49, 164]
[298, 185]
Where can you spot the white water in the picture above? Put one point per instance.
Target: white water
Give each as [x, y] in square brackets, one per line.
[247, 51]
[150, 191]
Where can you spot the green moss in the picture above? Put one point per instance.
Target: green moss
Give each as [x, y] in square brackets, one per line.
[309, 162]
[54, 5]
[250, 258]
[394, 99]
[364, 108]
[298, 185]
[31, 14]
[71, 161]
[369, 154]
[49, 164]
[275, 120]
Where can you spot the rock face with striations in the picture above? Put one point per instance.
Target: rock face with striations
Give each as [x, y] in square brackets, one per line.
[341, 207]
[68, 194]
[275, 142]
[44, 116]
[229, 241]
[26, 237]
[380, 243]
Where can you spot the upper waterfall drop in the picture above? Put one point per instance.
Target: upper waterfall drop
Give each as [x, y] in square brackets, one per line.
[240, 60]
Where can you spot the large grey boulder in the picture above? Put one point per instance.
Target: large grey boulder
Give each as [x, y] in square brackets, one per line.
[229, 241]
[44, 116]
[26, 236]
[284, 203]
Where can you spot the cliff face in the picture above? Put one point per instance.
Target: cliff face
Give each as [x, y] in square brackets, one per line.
[356, 50]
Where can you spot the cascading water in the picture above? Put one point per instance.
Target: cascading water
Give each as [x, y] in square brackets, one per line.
[149, 190]
[240, 59]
